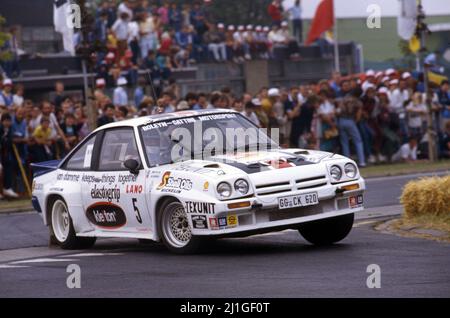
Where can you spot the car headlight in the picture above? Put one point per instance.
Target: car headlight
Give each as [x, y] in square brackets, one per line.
[224, 189]
[336, 173]
[241, 186]
[350, 170]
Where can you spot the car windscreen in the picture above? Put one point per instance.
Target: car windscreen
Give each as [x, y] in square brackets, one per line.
[199, 137]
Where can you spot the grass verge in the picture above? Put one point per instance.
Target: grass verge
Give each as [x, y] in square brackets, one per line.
[386, 170]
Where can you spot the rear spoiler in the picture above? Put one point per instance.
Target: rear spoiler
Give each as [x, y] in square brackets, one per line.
[42, 168]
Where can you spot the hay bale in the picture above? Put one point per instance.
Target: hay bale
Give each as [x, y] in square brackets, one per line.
[427, 196]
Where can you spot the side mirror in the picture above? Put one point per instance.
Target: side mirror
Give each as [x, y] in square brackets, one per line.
[132, 165]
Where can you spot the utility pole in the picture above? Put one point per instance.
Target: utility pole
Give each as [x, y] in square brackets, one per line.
[422, 31]
[86, 51]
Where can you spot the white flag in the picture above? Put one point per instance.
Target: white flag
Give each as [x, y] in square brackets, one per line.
[61, 11]
[407, 19]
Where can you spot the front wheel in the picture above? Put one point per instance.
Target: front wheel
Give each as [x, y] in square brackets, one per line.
[175, 231]
[327, 231]
[62, 231]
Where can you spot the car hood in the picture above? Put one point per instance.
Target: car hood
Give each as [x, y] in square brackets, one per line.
[254, 162]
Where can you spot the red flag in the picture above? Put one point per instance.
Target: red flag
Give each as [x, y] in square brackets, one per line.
[323, 20]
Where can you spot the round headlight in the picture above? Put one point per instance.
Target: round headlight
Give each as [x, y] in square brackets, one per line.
[350, 170]
[336, 173]
[224, 189]
[241, 186]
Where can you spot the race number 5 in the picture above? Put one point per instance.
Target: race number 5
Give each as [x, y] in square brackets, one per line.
[136, 210]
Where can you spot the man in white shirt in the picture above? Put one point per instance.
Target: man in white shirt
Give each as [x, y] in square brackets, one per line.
[125, 7]
[249, 111]
[120, 94]
[407, 152]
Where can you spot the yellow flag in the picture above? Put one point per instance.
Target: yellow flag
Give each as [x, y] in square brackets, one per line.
[414, 44]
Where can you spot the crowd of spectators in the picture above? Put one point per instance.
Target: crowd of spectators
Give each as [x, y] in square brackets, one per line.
[163, 36]
[377, 117]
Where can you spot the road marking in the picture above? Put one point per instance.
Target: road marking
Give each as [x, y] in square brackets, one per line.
[92, 255]
[365, 223]
[44, 260]
[5, 266]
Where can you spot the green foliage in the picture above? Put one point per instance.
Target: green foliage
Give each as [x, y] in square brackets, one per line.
[4, 55]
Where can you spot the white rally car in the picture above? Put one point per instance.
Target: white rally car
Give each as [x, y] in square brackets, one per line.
[180, 179]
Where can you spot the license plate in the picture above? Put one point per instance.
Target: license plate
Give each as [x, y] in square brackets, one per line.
[296, 201]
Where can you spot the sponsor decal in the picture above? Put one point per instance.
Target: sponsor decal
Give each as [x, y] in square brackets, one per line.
[134, 189]
[356, 201]
[213, 223]
[56, 189]
[106, 215]
[223, 222]
[37, 186]
[200, 207]
[105, 179]
[174, 185]
[129, 178]
[105, 193]
[199, 222]
[276, 164]
[68, 177]
[232, 220]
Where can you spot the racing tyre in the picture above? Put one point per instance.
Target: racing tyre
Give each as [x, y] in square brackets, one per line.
[62, 231]
[174, 229]
[327, 231]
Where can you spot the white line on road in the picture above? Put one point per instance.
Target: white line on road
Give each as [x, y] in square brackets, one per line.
[45, 260]
[92, 255]
[6, 266]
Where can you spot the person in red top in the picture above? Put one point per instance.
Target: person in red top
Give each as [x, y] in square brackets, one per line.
[275, 13]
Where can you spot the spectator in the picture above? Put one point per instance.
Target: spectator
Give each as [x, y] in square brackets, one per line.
[126, 7]
[121, 33]
[328, 131]
[167, 103]
[6, 96]
[444, 100]
[242, 49]
[44, 140]
[397, 106]
[60, 95]
[275, 12]
[70, 129]
[108, 116]
[350, 112]
[120, 93]
[417, 110]
[7, 158]
[249, 112]
[296, 19]
[216, 42]
[175, 17]
[445, 142]
[148, 34]
[192, 101]
[407, 152]
[18, 97]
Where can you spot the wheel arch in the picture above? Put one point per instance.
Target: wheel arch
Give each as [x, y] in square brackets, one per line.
[51, 198]
[162, 201]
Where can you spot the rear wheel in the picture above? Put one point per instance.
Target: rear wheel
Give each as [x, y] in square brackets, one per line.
[62, 231]
[174, 229]
[327, 231]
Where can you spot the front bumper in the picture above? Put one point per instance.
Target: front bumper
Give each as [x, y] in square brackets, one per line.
[263, 214]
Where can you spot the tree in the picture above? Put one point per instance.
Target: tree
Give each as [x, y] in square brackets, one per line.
[5, 54]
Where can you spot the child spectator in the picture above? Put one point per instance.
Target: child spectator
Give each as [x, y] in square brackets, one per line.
[43, 137]
[7, 157]
[416, 112]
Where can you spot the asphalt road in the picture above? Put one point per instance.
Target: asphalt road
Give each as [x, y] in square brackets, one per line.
[274, 265]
